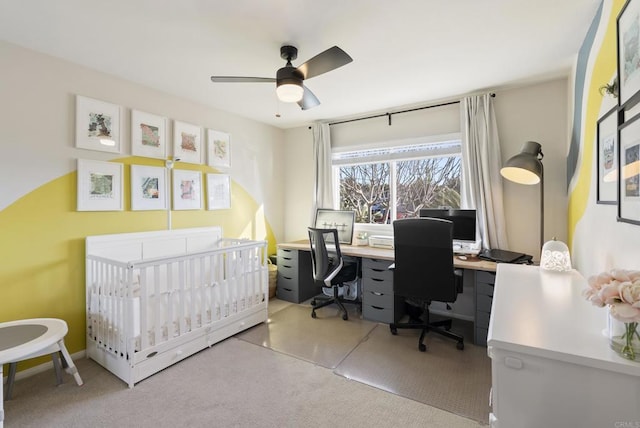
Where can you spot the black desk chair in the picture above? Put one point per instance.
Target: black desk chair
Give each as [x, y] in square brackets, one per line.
[329, 268]
[424, 272]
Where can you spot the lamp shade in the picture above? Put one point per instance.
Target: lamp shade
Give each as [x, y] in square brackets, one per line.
[525, 167]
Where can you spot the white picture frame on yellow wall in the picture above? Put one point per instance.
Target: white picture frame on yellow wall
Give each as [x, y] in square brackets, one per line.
[187, 143]
[148, 188]
[148, 135]
[218, 192]
[187, 190]
[100, 186]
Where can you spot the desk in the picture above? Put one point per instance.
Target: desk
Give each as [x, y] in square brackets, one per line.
[551, 366]
[30, 338]
[295, 284]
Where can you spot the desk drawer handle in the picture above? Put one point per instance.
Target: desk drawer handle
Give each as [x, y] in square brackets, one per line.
[287, 289]
[285, 266]
[379, 270]
[377, 307]
[378, 279]
[286, 277]
[375, 293]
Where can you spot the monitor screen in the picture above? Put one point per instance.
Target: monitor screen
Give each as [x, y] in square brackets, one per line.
[337, 219]
[464, 221]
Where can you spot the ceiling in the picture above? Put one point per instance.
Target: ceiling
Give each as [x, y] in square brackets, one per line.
[406, 53]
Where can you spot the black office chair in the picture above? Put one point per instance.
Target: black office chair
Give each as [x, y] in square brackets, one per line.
[423, 272]
[330, 269]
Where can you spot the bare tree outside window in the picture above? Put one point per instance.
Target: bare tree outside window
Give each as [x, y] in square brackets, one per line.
[428, 182]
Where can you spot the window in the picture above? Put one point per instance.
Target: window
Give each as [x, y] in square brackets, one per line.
[384, 184]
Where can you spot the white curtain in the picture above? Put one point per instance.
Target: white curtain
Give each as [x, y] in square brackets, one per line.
[482, 184]
[323, 181]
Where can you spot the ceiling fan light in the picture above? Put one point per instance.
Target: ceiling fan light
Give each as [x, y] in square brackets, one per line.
[290, 92]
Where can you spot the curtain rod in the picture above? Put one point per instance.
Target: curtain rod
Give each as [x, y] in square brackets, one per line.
[399, 112]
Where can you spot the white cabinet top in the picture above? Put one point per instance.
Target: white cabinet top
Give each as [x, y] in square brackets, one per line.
[543, 313]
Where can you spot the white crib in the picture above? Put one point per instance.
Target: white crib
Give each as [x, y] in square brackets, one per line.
[155, 298]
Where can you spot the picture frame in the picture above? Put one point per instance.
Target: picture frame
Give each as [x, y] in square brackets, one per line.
[218, 191]
[607, 158]
[218, 149]
[187, 190]
[148, 135]
[629, 171]
[628, 41]
[187, 143]
[342, 220]
[98, 125]
[148, 188]
[99, 185]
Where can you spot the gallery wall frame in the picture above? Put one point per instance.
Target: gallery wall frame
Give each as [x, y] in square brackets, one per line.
[99, 185]
[628, 39]
[629, 171]
[187, 142]
[607, 158]
[187, 190]
[218, 149]
[98, 125]
[218, 191]
[148, 188]
[148, 135]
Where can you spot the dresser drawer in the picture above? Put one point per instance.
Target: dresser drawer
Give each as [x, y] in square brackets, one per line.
[486, 277]
[482, 319]
[380, 300]
[484, 289]
[288, 271]
[286, 294]
[377, 285]
[286, 255]
[376, 313]
[483, 303]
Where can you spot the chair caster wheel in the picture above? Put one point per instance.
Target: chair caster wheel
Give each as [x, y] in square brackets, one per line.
[345, 317]
[460, 345]
[313, 314]
[394, 330]
[422, 347]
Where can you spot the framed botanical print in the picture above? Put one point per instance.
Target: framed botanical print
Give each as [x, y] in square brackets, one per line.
[628, 38]
[607, 158]
[148, 188]
[148, 135]
[218, 191]
[218, 149]
[187, 190]
[97, 125]
[100, 186]
[187, 145]
[629, 171]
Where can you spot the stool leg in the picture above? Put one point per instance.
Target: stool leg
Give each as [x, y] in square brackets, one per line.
[11, 377]
[58, 369]
[72, 368]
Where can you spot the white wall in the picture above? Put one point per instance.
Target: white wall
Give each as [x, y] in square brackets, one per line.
[537, 112]
[37, 127]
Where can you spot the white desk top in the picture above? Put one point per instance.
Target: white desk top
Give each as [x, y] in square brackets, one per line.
[544, 313]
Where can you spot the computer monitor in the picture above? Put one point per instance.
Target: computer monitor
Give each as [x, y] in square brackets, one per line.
[342, 220]
[464, 221]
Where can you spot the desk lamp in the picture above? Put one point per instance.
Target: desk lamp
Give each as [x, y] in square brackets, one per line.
[526, 168]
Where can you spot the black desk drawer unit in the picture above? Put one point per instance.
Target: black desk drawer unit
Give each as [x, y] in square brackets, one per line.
[484, 298]
[378, 301]
[295, 276]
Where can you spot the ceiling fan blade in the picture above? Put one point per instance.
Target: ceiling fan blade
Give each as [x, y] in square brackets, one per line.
[235, 79]
[309, 100]
[325, 61]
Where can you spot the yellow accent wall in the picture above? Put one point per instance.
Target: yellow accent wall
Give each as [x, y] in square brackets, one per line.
[42, 247]
[604, 67]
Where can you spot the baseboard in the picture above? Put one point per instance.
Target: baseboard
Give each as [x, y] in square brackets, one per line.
[31, 371]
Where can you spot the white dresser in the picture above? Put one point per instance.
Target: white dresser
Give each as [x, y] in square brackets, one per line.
[551, 363]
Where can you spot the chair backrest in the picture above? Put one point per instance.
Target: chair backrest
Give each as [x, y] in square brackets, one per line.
[423, 250]
[326, 257]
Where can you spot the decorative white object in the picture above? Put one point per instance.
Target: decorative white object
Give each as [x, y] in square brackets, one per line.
[555, 256]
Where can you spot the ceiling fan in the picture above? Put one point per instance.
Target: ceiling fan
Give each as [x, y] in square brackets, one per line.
[289, 86]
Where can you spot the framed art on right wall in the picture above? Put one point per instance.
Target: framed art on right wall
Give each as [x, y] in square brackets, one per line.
[628, 39]
[629, 171]
[607, 158]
